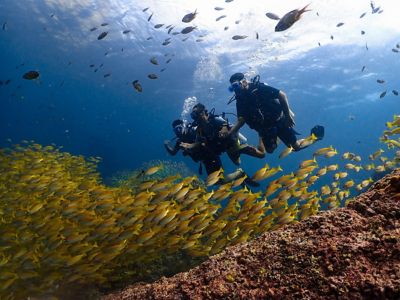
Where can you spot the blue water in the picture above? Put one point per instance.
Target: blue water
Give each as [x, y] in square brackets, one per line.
[74, 107]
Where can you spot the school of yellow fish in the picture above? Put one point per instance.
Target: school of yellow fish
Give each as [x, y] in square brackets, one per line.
[60, 225]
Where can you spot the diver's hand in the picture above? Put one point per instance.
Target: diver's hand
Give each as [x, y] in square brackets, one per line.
[224, 132]
[167, 142]
[187, 146]
[289, 121]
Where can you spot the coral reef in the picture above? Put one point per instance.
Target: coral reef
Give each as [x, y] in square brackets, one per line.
[346, 253]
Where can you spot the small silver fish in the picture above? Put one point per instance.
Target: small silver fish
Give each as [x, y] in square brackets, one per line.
[152, 76]
[137, 85]
[239, 37]
[290, 18]
[104, 24]
[340, 24]
[189, 17]
[380, 81]
[395, 50]
[395, 92]
[188, 29]
[382, 94]
[363, 68]
[220, 17]
[102, 35]
[218, 8]
[126, 31]
[149, 18]
[145, 9]
[158, 26]
[93, 28]
[272, 16]
[362, 15]
[165, 43]
[169, 30]
[154, 61]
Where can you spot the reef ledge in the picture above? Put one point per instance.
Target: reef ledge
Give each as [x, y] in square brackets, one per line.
[347, 253]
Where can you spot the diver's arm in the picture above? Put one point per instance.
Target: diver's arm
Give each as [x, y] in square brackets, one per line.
[283, 100]
[190, 146]
[235, 129]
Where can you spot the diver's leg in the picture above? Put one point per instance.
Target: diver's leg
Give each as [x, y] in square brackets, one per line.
[269, 138]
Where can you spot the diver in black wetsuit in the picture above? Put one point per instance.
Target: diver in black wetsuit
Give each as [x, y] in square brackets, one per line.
[208, 136]
[266, 110]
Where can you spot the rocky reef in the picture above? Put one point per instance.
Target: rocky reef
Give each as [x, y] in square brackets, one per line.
[348, 253]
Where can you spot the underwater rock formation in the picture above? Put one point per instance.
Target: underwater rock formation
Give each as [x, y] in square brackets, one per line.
[350, 253]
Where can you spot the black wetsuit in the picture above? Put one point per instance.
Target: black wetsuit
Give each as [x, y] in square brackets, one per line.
[214, 146]
[259, 106]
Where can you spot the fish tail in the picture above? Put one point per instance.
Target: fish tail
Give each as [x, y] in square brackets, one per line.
[304, 9]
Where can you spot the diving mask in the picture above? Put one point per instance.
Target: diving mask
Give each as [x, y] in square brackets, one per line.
[235, 87]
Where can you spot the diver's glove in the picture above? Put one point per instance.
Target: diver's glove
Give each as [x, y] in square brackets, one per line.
[318, 131]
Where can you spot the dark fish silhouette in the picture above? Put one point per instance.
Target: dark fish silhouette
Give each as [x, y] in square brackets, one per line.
[166, 27]
[184, 39]
[148, 20]
[290, 18]
[331, 37]
[93, 28]
[154, 61]
[145, 9]
[398, 45]
[395, 50]
[237, 22]
[319, 44]
[188, 29]
[126, 31]
[169, 30]
[158, 26]
[92, 65]
[362, 32]
[382, 94]
[104, 24]
[9, 80]
[220, 17]
[257, 35]
[4, 25]
[189, 17]
[152, 76]
[396, 93]
[226, 28]
[175, 33]
[165, 43]
[218, 8]
[272, 16]
[362, 15]
[239, 37]
[366, 46]
[363, 68]
[168, 60]
[380, 81]
[30, 75]
[107, 75]
[227, 1]
[149, 38]
[102, 35]
[340, 24]
[137, 85]
[162, 70]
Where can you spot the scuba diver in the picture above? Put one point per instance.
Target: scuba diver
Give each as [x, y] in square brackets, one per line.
[266, 110]
[209, 128]
[184, 133]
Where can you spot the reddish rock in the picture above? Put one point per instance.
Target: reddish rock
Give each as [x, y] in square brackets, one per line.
[347, 253]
